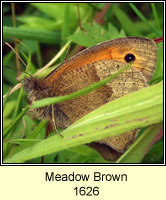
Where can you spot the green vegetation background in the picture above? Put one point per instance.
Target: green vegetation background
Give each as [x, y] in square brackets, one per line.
[44, 29]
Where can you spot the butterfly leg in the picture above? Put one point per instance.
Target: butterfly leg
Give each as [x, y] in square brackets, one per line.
[53, 121]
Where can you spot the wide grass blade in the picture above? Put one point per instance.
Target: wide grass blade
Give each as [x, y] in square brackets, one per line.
[134, 110]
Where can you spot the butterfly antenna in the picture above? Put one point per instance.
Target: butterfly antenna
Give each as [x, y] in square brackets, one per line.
[16, 53]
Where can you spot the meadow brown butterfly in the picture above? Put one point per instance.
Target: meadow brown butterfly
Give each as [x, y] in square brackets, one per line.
[90, 66]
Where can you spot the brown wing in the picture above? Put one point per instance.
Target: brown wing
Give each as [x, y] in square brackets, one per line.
[143, 49]
[95, 64]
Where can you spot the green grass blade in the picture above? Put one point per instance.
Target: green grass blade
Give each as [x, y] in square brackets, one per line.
[134, 110]
[138, 150]
[48, 37]
[155, 14]
[141, 16]
[126, 22]
[9, 128]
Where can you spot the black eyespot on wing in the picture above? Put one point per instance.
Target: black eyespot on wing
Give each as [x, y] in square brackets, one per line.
[129, 57]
